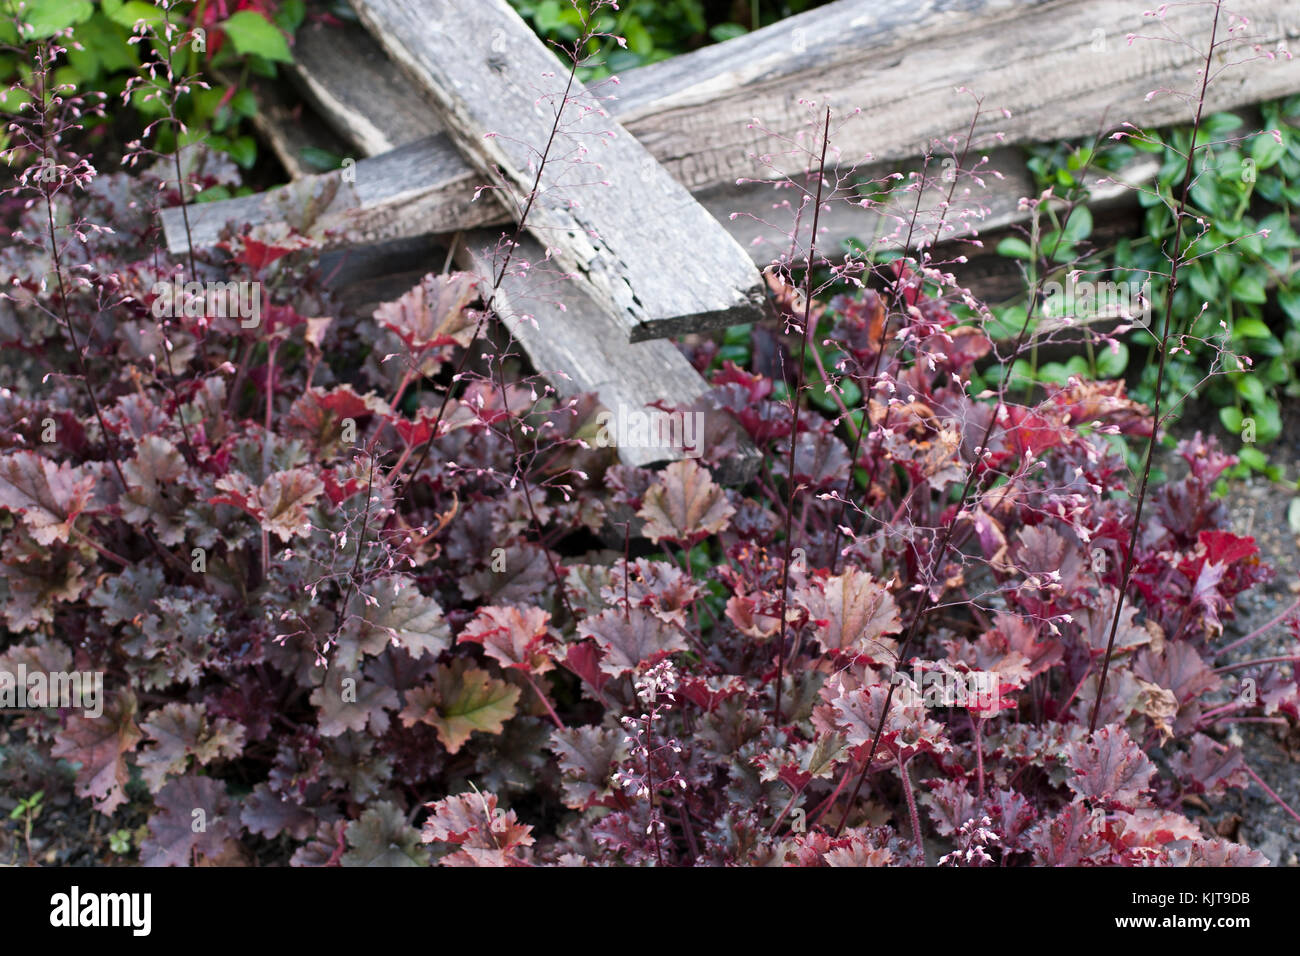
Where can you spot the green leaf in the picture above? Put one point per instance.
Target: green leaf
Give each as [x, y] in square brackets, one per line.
[1065, 252]
[1279, 260]
[48, 17]
[638, 37]
[1252, 244]
[243, 150]
[1218, 126]
[1266, 151]
[1278, 370]
[726, 31]
[290, 15]
[1268, 422]
[132, 11]
[1022, 372]
[1289, 299]
[1253, 457]
[1112, 364]
[1078, 365]
[738, 334]
[1015, 248]
[1251, 389]
[1053, 372]
[1230, 416]
[1227, 266]
[321, 160]
[252, 33]
[244, 103]
[1249, 328]
[546, 16]
[213, 194]
[1147, 141]
[1079, 226]
[1006, 323]
[1203, 282]
[1248, 288]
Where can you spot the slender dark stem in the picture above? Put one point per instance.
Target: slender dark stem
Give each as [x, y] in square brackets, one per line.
[795, 399]
[500, 277]
[63, 294]
[401, 488]
[546, 702]
[896, 294]
[341, 613]
[1160, 373]
[924, 602]
[189, 238]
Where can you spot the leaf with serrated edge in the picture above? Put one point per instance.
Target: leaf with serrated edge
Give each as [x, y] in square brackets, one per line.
[173, 834]
[100, 745]
[853, 612]
[588, 757]
[485, 835]
[178, 731]
[513, 637]
[459, 701]
[410, 619]
[433, 313]
[630, 638]
[343, 707]
[382, 837]
[48, 497]
[685, 505]
[1109, 768]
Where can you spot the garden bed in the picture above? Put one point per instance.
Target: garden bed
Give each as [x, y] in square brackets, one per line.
[398, 569]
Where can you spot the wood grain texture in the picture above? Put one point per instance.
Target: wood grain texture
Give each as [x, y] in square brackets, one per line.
[680, 107]
[594, 197]
[589, 347]
[758, 216]
[579, 341]
[358, 90]
[391, 196]
[1063, 68]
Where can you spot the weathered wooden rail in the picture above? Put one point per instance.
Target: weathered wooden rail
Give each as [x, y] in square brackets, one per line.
[896, 61]
[735, 111]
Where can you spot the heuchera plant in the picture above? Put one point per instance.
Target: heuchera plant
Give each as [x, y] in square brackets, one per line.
[306, 555]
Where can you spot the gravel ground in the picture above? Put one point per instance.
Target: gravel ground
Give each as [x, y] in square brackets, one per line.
[1259, 508]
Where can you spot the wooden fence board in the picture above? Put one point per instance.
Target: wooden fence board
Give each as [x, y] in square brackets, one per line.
[343, 72]
[424, 186]
[1063, 68]
[590, 347]
[651, 255]
[899, 61]
[581, 341]
[380, 207]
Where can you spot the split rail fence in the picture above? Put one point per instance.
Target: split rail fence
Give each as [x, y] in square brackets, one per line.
[439, 98]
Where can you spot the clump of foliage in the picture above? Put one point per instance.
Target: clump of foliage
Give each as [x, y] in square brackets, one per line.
[104, 53]
[365, 594]
[1238, 290]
